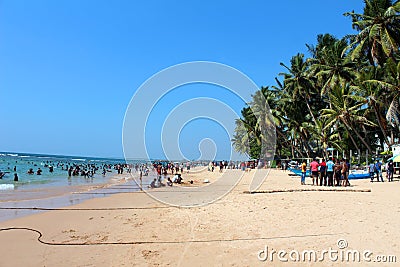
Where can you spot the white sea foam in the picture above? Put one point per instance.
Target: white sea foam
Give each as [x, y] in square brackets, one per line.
[79, 159]
[6, 187]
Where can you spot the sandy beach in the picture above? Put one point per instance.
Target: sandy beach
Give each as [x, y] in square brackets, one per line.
[133, 229]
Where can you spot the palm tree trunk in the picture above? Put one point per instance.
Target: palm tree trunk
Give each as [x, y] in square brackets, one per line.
[358, 135]
[305, 147]
[351, 137]
[378, 118]
[324, 147]
[312, 115]
[292, 148]
[291, 143]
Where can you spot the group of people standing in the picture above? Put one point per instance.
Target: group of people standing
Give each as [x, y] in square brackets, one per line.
[330, 173]
[375, 169]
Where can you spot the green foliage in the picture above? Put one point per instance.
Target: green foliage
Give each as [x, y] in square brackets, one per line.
[346, 95]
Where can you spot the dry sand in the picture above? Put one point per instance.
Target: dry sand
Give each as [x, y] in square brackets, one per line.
[132, 229]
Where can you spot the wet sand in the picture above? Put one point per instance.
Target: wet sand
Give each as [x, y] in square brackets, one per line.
[15, 204]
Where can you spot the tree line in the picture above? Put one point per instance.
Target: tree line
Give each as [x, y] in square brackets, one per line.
[344, 95]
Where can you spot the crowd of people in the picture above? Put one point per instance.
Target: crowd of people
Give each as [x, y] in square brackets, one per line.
[240, 165]
[375, 169]
[335, 172]
[330, 173]
[86, 170]
[163, 168]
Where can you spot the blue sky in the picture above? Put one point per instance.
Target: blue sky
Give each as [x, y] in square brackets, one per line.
[69, 68]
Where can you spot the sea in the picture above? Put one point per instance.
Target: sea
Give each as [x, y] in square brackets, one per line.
[55, 189]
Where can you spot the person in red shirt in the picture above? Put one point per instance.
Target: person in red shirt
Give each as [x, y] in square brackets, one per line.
[314, 171]
[159, 170]
[322, 173]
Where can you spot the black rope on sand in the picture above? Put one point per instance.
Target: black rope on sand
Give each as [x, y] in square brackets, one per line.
[84, 209]
[88, 243]
[306, 190]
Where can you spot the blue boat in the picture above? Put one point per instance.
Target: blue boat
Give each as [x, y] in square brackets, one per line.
[298, 172]
[359, 175]
[352, 176]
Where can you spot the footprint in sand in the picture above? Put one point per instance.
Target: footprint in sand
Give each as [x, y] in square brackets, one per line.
[148, 254]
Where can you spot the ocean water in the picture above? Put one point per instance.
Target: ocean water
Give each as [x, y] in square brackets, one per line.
[56, 181]
[56, 189]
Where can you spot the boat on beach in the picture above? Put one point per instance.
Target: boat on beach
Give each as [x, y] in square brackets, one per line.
[297, 172]
[359, 174]
[354, 174]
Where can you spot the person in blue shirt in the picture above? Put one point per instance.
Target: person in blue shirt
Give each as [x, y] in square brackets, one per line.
[329, 171]
[372, 171]
[378, 170]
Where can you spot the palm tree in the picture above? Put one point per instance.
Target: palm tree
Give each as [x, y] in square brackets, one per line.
[348, 90]
[292, 110]
[369, 85]
[332, 67]
[241, 138]
[297, 82]
[266, 119]
[347, 108]
[390, 89]
[291, 117]
[379, 32]
[393, 84]
[325, 137]
[323, 40]
[246, 139]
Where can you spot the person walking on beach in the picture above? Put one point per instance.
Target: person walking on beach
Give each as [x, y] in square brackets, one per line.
[314, 171]
[371, 171]
[141, 179]
[188, 166]
[322, 172]
[329, 171]
[378, 170]
[390, 170]
[303, 172]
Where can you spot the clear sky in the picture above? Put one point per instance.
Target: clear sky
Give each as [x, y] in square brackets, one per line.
[68, 69]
